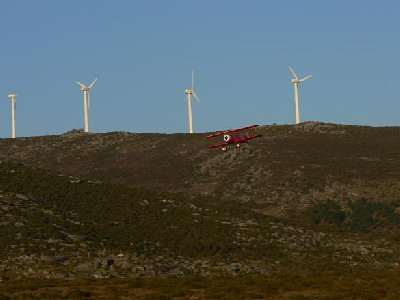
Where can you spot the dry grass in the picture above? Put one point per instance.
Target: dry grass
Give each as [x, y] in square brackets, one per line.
[284, 286]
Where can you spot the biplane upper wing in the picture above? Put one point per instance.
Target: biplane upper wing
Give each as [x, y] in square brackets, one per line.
[232, 130]
[248, 138]
[218, 145]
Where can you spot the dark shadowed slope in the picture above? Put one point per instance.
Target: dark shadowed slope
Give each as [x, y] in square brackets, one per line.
[56, 226]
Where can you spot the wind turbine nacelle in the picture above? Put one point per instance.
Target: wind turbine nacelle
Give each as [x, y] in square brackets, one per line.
[188, 91]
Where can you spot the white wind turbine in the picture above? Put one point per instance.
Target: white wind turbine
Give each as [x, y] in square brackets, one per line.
[13, 97]
[296, 81]
[86, 100]
[189, 92]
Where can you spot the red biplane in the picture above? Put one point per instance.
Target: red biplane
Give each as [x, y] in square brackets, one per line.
[233, 139]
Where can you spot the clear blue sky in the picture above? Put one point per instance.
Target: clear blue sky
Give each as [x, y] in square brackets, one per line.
[144, 51]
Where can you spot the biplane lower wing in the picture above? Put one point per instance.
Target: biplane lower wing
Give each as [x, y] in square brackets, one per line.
[218, 145]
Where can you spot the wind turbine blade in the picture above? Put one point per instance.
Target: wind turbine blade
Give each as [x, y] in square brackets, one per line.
[88, 98]
[192, 79]
[195, 96]
[93, 82]
[305, 78]
[81, 84]
[294, 74]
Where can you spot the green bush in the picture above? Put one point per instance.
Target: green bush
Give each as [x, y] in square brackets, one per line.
[327, 213]
[363, 215]
[367, 216]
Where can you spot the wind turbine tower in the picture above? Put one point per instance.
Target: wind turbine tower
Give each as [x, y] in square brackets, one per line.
[296, 81]
[13, 97]
[86, 101]
[189, 93]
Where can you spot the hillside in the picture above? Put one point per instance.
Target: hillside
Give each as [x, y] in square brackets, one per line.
[284, 172]
[306, 199]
